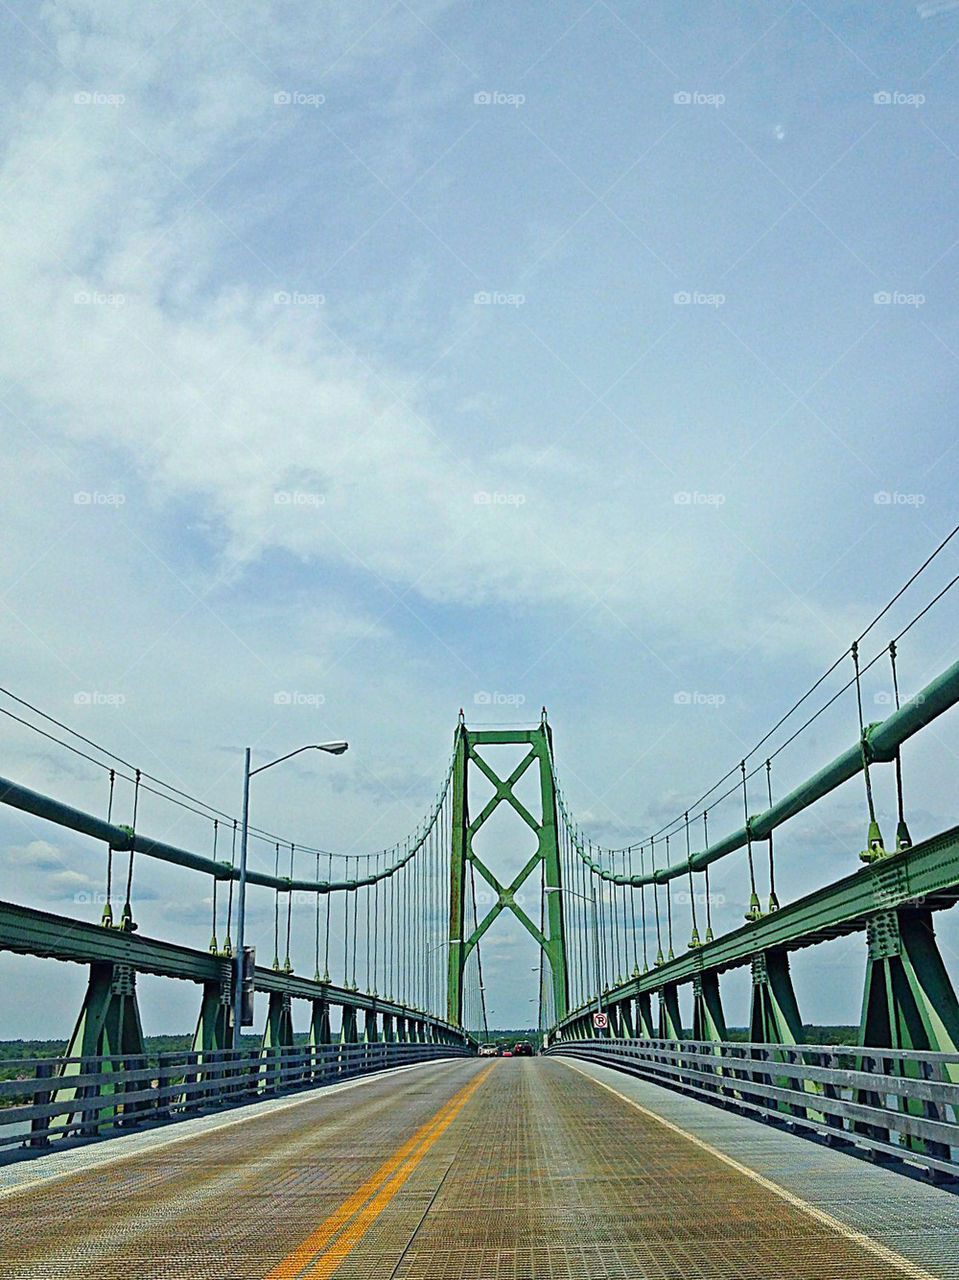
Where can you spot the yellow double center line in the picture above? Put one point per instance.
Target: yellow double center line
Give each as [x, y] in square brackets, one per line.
[325, 1248]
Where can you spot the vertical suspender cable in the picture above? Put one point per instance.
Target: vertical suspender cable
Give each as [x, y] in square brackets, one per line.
[694, 939]
[903, 838]
[875, 847]
[755, 910]
[326, 940]
[213, 943]
[289, 915]
[670, 954]
[107, 918]
[773, 900]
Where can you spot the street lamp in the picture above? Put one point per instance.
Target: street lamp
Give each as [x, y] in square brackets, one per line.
[592, 901]
[334, 749]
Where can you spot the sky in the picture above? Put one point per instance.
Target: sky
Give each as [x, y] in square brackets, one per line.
[362, 363]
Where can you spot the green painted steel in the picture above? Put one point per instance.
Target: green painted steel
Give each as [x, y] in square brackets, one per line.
[213, 1030]
[670, 1020]
[774, 1018]
[880, 742]
[709, 1021]
[123, 839]
[463, 856]
[909, 1002]
[320, 1032]
[108, 1027]
[28, 931]
[928, 871]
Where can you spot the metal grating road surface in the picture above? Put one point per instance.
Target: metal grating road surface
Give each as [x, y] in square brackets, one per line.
[453, 1171]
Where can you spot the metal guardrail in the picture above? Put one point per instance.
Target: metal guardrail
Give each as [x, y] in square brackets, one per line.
[891, 1102]
[86, 1097]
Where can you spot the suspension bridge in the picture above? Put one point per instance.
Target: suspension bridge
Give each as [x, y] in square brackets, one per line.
[636, 1142]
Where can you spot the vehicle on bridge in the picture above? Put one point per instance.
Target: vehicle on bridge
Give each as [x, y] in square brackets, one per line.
[522, 1049]
[488, 1051]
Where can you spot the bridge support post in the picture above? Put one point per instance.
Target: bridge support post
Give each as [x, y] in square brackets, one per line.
[320, 1038]
[626, 1025]
[647, 1028]
[108, 1027]
[213, 1028]
[709, 1022]
[774, 1018]
[277, 1039]
[389, 1028]
[670, 1021]
[909, 1002]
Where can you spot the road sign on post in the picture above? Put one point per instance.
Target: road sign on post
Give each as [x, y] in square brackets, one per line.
[600, 1021]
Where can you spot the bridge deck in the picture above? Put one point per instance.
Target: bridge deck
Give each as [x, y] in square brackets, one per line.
[521, 1168]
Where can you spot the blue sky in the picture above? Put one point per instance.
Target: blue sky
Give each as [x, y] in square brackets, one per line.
[249, 328]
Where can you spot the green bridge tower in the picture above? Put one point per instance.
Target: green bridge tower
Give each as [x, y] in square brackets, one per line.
[549, 937]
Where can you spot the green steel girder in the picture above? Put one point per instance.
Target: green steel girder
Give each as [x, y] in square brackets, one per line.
[27, 931]
[909, 1002]
[774, 1018]
[928, 871]
[214, 1029]
[320, 1033]
[546, 855]
[670, 1020]
[644, 1015]
[108, 1027]
[709, 1021]
[348, 1034]
[278, 1031]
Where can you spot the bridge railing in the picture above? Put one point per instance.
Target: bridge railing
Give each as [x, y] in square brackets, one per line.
[890, 1102]
[53, 1098]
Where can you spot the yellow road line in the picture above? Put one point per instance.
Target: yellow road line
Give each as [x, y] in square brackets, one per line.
[878, 1250]
[360, 1210]
[196, 1134]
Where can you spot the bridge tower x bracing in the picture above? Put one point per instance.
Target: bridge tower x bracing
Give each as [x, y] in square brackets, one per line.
[464, 935]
